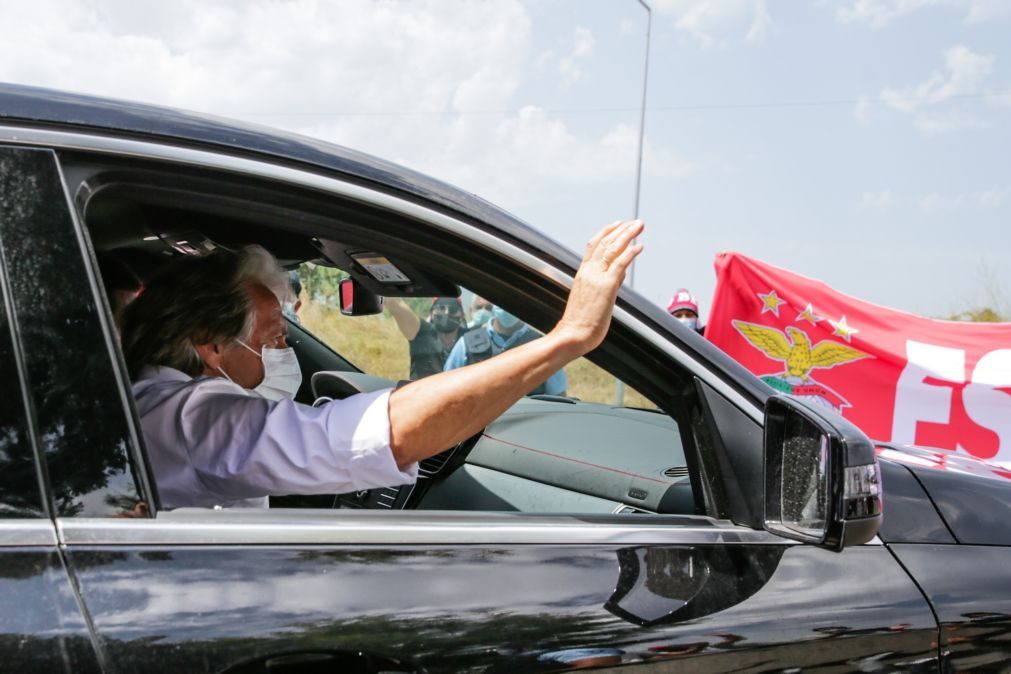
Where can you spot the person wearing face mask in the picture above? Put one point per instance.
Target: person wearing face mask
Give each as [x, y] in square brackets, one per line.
[683, 307]
[430, 340]
[503, 331]
[480, 312]
[214, 381]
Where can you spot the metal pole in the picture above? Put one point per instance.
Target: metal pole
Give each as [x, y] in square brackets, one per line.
[619, 388]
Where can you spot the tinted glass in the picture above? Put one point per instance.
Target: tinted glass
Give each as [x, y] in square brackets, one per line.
[19, 483]
[79, 412]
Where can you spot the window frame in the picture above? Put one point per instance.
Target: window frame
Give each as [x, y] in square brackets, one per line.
[297, 178]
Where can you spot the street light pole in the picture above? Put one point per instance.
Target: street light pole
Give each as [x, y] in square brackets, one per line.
[619, 388]
[642, 127]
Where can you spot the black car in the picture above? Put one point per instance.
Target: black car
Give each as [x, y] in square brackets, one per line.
[697, 523]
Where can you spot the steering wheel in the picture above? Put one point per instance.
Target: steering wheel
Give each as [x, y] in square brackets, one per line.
[328, 386]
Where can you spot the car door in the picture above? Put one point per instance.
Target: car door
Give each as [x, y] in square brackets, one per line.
[42, 627]
[436, 591]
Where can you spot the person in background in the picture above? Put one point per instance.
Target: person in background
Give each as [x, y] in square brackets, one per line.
[503, 332]
[429, 340]
[294, 303]
[683, 307]
[121, 285]
[480, 312]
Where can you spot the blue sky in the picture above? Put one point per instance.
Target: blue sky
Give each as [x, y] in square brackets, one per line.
[862, 142]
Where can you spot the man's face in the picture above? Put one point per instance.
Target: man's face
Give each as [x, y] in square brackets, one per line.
[269, 330]
[446, 315]
[684, 313]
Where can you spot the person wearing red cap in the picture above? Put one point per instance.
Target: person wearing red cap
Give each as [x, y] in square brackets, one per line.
[683, 307]
[430, 340]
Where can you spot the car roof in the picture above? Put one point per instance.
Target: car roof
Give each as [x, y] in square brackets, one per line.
[66, 111]
[21, 104]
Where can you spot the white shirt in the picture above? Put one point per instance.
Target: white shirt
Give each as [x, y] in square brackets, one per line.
[211, 442]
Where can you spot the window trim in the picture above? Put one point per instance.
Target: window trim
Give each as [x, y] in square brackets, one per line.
[27, 533]
[281, 527]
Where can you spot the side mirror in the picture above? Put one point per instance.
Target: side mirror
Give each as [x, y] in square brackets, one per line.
[822, 481]
[356, 300]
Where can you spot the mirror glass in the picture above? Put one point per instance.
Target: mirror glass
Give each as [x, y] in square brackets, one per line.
[805, 477]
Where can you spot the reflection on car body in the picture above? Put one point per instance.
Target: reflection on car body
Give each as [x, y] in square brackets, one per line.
[569, 533]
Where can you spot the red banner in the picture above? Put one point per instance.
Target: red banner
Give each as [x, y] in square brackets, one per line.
[897, 376]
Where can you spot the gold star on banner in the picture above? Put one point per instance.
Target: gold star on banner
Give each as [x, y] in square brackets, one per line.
[771, 302]
[842, 329]
[809, 315]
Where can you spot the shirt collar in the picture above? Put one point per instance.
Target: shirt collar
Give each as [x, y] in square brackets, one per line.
[162, 373]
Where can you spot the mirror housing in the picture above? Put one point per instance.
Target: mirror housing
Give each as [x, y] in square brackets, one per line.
[356, 300]
[822, 480]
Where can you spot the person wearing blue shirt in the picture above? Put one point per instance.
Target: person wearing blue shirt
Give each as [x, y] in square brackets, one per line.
[503, 332]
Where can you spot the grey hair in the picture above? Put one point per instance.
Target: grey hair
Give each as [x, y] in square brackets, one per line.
[197, 300]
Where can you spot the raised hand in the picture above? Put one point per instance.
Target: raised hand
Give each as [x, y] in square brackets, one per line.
[587, 314]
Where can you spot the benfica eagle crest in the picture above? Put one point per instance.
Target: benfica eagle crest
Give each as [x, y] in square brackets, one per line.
[794, 349]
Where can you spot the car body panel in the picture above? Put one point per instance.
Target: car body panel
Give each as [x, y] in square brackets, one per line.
[910, 515]
[969, 587]
[504, 607]
[42, 627]
[972, 496]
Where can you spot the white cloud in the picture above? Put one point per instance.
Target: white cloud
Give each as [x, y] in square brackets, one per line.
[964, 72]
[718, 22]
[533, 148]
[930, 102]
[880, 13]
[934, 124]
[569, 66]
[427, 83]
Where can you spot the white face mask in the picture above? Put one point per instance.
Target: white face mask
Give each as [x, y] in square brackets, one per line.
[281, 374]
[690, 321]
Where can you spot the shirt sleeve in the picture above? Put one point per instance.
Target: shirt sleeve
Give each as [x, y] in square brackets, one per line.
[457, 356]
[244, 446]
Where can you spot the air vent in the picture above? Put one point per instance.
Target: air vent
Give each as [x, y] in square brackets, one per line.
[676, 471]
[386, 497]
[630, 510]
[433, 464]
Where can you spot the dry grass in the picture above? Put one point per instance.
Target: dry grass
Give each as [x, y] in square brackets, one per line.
[374, 344]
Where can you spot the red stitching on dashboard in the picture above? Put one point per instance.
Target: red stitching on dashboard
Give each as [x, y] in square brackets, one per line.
[585, 463]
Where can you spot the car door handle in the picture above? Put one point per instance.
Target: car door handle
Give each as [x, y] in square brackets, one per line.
[323, 661]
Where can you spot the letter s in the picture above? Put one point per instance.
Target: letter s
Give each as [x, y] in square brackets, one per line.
[984, 403]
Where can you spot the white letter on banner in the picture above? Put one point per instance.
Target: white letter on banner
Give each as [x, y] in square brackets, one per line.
[917, 401]
[987, 406]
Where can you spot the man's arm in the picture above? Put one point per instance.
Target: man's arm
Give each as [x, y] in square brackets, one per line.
[433, 414]
[406, 319]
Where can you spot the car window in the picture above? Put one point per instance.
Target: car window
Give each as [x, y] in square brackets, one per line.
[376, 345]
[585, 443]
[78, 408]
[19, 480]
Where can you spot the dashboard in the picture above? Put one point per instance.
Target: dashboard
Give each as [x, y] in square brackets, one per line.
[546, 454]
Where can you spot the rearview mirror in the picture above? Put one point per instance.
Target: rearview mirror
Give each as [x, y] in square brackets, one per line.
[822, 481]
[356, 300]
